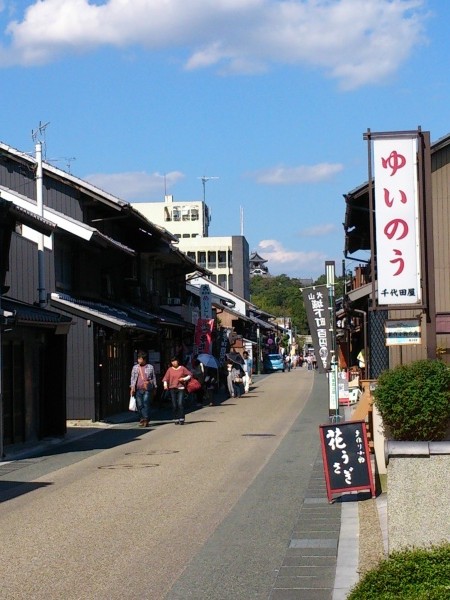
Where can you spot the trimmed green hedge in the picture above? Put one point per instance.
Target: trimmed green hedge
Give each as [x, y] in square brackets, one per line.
[409, 575]
[414, 400]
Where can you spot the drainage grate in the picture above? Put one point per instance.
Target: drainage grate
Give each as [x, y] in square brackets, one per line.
[258, 435]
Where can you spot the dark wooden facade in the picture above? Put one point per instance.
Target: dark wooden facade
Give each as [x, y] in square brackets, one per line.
[33, 348]
[121, 264]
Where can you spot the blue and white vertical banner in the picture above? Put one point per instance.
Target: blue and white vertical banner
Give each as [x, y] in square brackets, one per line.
[397, 224]
[205, 302]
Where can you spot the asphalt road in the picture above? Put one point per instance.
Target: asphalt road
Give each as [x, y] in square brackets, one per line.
[201, 511]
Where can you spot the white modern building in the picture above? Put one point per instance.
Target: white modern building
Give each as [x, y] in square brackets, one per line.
[226, 257]
[185, 220]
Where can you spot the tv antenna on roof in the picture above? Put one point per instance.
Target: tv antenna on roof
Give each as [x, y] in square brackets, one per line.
[67, 159]
[204, 179]
[38, 134]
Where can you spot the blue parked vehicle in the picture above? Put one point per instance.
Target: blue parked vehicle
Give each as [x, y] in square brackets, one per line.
[273, 362]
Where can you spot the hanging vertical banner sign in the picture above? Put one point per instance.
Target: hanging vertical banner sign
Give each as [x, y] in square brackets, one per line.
[203, 336]
[205, 302]
[397, 226]
[223, 342]
[318, 313]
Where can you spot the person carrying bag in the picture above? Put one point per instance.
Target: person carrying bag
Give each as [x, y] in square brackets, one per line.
[142, 384]
[175, 380]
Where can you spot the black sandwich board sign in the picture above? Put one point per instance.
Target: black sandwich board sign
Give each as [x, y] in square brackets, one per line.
[346, 458]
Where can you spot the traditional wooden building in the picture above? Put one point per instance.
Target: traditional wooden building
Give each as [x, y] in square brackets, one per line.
[33, 347]
[365, 328]
[107, 268]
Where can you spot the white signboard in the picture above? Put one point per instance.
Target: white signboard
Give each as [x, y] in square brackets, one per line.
[333, 401]
[397, 221]
[402, 332]
[205, 302]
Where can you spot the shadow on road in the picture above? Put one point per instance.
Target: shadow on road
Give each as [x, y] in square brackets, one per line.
[13, 489]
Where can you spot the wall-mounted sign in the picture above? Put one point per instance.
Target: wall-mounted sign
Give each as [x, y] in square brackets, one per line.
[397, 220]
[401, 332]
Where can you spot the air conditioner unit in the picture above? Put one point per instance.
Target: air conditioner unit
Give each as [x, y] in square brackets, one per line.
[174, 301]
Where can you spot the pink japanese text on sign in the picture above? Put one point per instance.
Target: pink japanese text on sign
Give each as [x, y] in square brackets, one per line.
[397, 221]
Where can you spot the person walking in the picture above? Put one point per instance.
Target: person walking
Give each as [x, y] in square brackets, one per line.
[235, 379]
[247, 366]
[230, 386]
[198, 373]
[142, 384]
[210, 386]
[287, 362]
[175, 380]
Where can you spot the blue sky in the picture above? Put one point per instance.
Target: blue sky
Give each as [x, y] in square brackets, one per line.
[272, 97]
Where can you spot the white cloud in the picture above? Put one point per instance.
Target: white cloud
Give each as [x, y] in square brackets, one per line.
[295, 263]
[135, 186]
[355, 41]
[302, 174]
[318, 230]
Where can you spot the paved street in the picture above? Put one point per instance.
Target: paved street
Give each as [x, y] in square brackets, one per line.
[203, 511]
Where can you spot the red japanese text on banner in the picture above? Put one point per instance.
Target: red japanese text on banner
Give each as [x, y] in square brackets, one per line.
[203, 335]
[397, 220]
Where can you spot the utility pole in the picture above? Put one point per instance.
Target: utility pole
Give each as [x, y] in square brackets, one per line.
[37, 134]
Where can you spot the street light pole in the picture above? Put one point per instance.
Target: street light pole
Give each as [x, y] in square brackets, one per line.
[258, 338]
[333, 375]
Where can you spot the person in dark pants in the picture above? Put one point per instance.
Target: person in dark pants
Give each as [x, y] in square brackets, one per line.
[198, 373]
[142, 384]
[238, 380]
[175, 380]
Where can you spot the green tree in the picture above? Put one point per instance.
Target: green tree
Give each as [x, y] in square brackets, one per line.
[281, 296]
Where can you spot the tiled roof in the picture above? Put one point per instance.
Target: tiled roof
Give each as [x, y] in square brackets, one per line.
[26, 314]
[102, 313]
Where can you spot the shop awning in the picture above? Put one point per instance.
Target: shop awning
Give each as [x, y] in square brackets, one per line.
[102, 313]
[261, 323]
[29, 315]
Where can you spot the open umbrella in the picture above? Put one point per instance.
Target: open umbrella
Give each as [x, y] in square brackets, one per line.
[235, 357]
[208, 360]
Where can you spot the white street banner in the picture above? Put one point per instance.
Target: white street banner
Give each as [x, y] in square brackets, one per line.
[397, 220]
[205, 302]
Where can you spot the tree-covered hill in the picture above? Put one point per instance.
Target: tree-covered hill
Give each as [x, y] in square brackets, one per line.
[281, 296]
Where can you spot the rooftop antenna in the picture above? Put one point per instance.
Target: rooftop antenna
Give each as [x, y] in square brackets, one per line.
[204, 179]
[38, 134]
[67, 159]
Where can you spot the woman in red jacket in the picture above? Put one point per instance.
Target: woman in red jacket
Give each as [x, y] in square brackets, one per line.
[175, 381]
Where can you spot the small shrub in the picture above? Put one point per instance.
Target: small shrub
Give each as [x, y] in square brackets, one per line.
[409, 575]
[414, 400]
